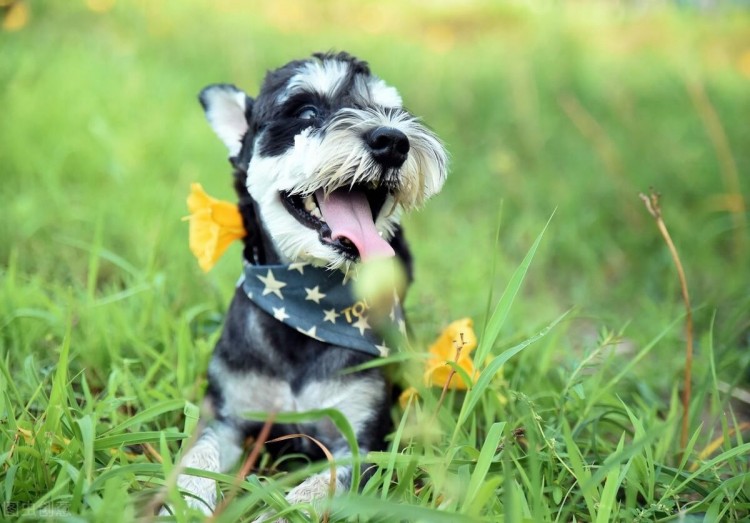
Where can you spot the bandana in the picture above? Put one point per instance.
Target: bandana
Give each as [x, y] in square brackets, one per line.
[320, 303]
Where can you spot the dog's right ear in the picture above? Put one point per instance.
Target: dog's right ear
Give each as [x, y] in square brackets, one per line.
[228, 111]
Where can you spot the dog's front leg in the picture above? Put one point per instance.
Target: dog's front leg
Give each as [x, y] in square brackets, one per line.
[311, 491]
[217, 448]
[316, 488]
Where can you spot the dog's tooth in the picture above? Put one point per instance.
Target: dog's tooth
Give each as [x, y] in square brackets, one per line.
[316, 213]
[310, 204]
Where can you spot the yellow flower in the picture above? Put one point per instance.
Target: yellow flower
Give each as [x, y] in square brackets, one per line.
[16, 16]
[454, 345]
[743, 63]
[214, 224]
[410, 393]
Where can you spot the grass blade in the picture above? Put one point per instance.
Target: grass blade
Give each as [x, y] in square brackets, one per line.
[370, 509]
[485, 377]
[112, 442]
[611, 484]
[500, 314]
[147, 415]
[489, 448]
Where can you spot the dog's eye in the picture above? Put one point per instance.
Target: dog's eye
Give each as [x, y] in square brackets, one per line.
[307, 112]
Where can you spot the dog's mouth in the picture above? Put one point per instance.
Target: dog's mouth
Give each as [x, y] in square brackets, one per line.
[344, 219]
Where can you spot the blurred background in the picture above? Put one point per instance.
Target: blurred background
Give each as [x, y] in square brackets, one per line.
[547, 108]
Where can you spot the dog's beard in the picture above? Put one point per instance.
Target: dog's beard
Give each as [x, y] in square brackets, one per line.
[335, 156]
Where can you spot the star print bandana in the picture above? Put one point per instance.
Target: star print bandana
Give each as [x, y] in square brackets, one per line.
[321, 304]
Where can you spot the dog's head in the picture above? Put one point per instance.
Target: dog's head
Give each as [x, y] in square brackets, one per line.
[331, 157]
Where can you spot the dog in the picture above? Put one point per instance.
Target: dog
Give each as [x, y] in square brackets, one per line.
[326, 159]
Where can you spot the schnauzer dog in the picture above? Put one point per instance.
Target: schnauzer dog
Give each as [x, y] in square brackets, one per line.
[326, 160]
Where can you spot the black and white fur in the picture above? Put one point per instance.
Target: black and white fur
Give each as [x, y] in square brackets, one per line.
[317, 124]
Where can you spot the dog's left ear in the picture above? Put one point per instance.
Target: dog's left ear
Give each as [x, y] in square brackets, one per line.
[228, 111]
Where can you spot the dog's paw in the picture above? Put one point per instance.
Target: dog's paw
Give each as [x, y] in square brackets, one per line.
[203, 496]
[314, 488]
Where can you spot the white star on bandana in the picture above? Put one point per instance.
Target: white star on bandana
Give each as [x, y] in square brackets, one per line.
[272, 285]
[314, 294]
[310, 332]
[317, 303]
[280, 314]
[297, 266]
[361, 324]
[383, 349]
[331, 315]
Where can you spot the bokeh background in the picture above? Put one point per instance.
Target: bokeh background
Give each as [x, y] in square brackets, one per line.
[571, 109]
[549, 109]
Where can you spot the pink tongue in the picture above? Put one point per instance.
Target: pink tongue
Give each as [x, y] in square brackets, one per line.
[349, 216]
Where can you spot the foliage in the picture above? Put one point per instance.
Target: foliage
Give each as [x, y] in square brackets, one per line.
[107, 323]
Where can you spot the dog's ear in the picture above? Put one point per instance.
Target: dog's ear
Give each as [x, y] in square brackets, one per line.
[228, 111]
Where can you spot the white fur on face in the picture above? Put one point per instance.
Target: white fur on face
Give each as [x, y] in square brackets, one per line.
[327, 78]
[336, 156]
[382, 94]
[317, 77]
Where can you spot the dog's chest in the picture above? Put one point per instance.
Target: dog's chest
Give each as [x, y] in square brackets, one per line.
[262, 364]
[249, 391]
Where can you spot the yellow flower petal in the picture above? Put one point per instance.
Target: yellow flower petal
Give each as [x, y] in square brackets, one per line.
[438, 374]
[16, 16]
[459, 334]
[214, 225]
[743, 63]
[408, 394]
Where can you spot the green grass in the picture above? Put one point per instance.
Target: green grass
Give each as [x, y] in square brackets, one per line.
[107, 324]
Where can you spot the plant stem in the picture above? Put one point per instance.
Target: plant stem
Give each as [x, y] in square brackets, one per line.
[652, 205]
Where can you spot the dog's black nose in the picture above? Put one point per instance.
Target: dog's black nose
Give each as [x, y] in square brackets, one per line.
[389, 146]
